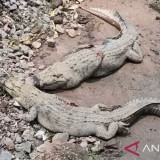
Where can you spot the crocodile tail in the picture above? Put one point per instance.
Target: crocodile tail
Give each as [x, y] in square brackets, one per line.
[110, 16]
[148, 105]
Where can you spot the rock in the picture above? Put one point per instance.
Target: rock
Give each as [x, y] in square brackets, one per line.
[41, 135]
[41, 67]
[13, 1]
[113, 143]
[41, 148]
[61, 137]
[98, 147]
[7, 119]
[72, 141]
[33, 155]
[3, 34]
[28, 134]
[71, 32]
[51, 42]
[18, 138]
[16, 104]
[30, 64]
[60, 29]
[5, 155]
[13, 7]
[36, 44]
[18, 54]
[9, 143]
[35, 30]
[4, 104]
[23, 64]
[15, 48]
[58, 19]
[24, 147]
[34, 3]
[24, 49]
[84, 144]
[11, 55]
[56, 3]
[90, 139]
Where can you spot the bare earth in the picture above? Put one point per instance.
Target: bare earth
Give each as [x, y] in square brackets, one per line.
[132, 80]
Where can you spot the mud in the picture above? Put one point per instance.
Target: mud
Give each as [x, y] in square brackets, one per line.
[132, 80]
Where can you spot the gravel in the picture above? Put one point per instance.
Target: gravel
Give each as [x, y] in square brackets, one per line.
[24, 27]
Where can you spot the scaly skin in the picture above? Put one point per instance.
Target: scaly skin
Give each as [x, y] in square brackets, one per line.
[58, 115]
[97, 61]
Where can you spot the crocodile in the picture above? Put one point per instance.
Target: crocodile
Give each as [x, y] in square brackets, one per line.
[93, 61]
[59, 115]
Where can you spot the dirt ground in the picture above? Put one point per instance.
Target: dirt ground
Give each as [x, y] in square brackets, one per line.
[132, 80]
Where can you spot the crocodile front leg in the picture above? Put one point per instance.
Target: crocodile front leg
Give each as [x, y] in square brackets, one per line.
[31, 115]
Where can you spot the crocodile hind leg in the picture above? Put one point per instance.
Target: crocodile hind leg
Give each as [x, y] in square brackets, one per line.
[103, 133]
[102, 107]
[135, 54]
[113, 128]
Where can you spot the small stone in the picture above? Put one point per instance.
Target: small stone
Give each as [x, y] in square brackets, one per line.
[11, 55]
[72, 141]
[23, 64]
[16, 104]
[3, 34]
[18, 138]
[7, 119]
[56, 3]
[25, 49]
[13, 7]
[61, 137]
[24, 147]
[91, 139]
[41, 67]
[35, 30]
[71, 32]
[41, 135]
[34, 3]
[28, 134]
[98, 147]
[51, 42]
[18, 54]
[36, 44]
[84, 144]
[12, 1]
[60, 29]
[9, 143]
[42, 147]
[113, 143]
[33, 155]
[4, 104]
[5, 155]
[30, 64]
[58, 19]
[15, 48]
